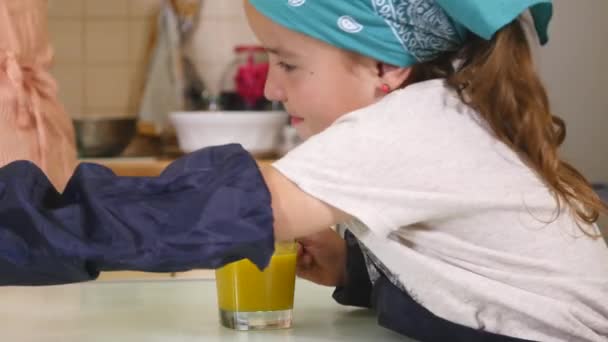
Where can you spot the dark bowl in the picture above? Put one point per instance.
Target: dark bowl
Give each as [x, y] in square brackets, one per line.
[100, 137]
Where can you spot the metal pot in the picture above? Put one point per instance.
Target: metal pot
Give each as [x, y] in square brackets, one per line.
[103, 136]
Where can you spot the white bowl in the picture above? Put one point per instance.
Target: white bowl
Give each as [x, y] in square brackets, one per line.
[258, 132]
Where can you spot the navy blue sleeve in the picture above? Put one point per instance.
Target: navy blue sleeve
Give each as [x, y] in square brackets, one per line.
[358, 288]
[207, 209]
[396, 309]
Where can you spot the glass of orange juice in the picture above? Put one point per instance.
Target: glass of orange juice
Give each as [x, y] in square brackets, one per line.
[250, 299]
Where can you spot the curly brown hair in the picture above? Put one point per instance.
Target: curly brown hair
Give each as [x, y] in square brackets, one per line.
[498, 79]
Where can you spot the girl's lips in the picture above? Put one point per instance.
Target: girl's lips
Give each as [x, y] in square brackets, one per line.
[296, 120]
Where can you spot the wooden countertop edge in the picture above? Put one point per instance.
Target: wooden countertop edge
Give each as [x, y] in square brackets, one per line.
[136, 167]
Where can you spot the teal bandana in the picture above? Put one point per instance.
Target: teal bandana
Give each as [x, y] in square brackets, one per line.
[402, 32]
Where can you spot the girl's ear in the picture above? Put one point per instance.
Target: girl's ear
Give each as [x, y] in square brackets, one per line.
[393, 76]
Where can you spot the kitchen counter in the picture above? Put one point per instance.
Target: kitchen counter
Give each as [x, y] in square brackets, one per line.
[144, 166]
[168, 311]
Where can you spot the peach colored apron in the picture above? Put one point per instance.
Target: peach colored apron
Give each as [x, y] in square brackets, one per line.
[33, 124]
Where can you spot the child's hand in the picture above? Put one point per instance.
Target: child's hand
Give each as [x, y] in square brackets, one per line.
[322, 258]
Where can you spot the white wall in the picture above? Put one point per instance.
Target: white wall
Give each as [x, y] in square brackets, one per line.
[574, 66]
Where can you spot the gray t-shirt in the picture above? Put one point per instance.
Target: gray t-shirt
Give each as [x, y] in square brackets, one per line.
[466, 227]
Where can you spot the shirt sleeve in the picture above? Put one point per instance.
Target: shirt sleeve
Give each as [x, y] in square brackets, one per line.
[207, 209]
[358, 288]
[382, 165]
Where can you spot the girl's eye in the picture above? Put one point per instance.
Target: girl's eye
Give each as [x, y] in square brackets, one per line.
[286, 67]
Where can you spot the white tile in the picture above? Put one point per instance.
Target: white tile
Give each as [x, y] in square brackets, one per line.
[67, 39]
[140, 39]
[107, 8]
[137, 74]
[239, 32]
[70, 80]
[222, 8]
[107, 87]
[144, 8]
[238, 13]
[65, 8]
[106, 41]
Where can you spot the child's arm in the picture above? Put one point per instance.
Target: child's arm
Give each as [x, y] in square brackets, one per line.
[297, 214]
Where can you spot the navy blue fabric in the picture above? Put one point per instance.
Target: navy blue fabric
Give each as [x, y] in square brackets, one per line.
[207, 209]
[397, 310]
[358, 291]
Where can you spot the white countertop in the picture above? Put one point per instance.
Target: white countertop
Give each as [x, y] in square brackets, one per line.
[167, 311]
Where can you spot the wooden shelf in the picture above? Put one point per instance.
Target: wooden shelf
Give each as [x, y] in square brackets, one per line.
[142, 167]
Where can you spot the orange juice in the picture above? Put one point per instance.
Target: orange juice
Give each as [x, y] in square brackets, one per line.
[241, 287]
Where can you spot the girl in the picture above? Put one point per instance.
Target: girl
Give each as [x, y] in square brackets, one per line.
[431, 142]
[430, 145]
[33, 125]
